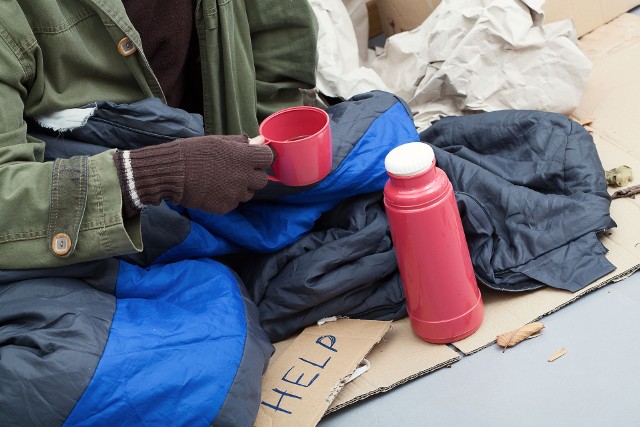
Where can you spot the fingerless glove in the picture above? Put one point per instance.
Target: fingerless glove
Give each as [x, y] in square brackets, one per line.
[210, 173]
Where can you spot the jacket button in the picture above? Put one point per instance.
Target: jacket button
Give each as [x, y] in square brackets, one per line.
[126, 47]
[61, 244]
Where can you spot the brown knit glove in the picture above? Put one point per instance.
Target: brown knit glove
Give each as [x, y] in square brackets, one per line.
[210, 173]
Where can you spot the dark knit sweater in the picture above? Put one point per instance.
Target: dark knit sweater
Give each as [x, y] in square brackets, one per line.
[169, 43]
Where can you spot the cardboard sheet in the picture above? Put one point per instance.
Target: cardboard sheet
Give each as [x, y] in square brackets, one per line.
[610, 100]
[307, 373]
[399, 358]
[609, 103]
[403, 15]
[375, 25]
[586, 16]
[397, 16]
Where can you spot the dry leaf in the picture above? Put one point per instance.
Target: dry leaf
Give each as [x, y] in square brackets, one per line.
[558, 353]
[582, 122]
[620, 176]
[509, 339]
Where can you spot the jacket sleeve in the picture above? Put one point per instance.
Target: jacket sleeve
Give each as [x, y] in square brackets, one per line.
[284, 36]
[58, 213]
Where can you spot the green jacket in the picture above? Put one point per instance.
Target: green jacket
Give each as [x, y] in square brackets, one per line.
[59, 54]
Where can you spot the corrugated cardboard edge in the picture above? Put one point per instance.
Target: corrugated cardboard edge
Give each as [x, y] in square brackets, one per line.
[399, 358]
[470, 350]
[379, 390]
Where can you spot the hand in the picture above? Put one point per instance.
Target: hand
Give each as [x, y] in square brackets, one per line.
[210, 173]
[221, 172]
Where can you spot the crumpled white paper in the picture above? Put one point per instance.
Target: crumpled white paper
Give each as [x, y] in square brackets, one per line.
[359, 16]
[468, 55]
[339, 73]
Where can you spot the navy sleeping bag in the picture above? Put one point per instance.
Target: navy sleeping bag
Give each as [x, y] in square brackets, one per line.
[180, 333]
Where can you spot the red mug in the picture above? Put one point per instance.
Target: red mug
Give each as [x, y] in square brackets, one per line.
[301, 138]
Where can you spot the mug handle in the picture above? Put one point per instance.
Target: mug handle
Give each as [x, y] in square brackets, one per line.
[275, 156]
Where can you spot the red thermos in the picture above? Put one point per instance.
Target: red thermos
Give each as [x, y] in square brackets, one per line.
[442, 295]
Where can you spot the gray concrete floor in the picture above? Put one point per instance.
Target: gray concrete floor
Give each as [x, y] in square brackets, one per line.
[596, 383]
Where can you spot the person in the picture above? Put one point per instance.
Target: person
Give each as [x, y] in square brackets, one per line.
[231, 62]
[249, 58]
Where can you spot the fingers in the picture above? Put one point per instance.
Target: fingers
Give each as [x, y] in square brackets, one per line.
[258, 180]
[246, 196]
[262, 156]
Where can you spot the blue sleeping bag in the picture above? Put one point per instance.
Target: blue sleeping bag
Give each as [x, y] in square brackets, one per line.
[169, 336]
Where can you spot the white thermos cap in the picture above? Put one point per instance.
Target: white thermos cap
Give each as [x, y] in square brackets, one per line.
[409, 159]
